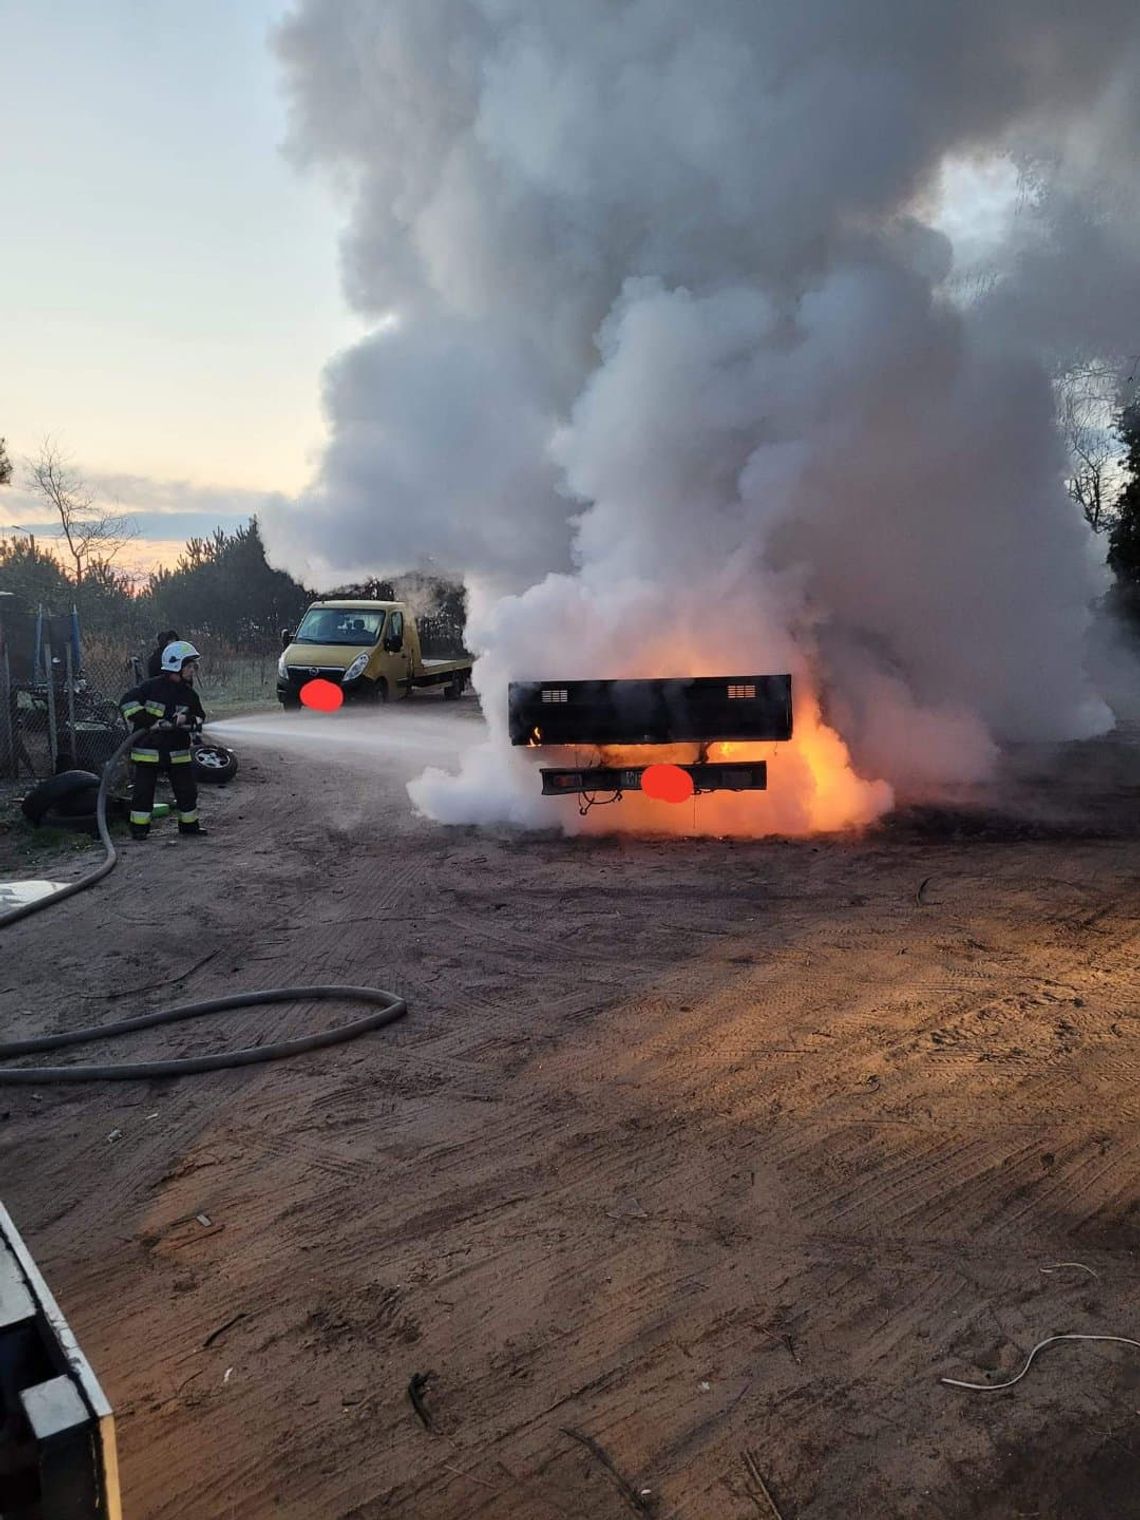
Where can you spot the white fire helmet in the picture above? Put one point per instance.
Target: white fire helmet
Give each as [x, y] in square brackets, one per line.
[175, 655]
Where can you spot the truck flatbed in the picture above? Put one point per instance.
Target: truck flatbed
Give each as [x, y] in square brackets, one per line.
[438, 672]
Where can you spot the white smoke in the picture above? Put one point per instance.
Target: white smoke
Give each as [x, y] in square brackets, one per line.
[677, 346]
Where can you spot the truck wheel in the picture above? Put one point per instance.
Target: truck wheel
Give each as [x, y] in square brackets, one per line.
[213, 763]
[291, 702]
[454, 690]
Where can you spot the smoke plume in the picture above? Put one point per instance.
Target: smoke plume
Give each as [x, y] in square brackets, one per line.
[673, 361]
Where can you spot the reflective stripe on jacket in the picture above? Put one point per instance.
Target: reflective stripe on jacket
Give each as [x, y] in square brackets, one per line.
[161, 700]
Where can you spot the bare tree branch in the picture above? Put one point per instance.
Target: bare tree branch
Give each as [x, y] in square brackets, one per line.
[92, 533]
[1087, 400]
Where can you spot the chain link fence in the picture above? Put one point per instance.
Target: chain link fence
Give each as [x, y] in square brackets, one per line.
[231, 680]
[60, 692]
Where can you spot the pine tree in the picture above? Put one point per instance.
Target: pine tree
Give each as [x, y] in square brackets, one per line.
[1124, 536]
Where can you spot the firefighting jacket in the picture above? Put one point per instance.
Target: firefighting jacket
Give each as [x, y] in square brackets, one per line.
[161, 700]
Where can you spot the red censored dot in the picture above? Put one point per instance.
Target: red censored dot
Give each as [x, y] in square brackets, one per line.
[666, 783]
[321, 695]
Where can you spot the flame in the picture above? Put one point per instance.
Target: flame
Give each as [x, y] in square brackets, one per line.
[812, 787]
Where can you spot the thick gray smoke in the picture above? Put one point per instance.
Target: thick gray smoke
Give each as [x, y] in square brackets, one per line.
[673, 363]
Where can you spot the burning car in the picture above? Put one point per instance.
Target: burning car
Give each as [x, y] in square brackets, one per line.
[709, 713]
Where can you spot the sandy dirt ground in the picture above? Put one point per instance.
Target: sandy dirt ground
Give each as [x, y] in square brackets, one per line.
[693, 1167]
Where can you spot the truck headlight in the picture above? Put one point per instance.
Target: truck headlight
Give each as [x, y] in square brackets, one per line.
[282, 669]
[357, 667]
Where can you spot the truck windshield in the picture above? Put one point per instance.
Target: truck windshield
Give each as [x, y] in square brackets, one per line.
[325, 625]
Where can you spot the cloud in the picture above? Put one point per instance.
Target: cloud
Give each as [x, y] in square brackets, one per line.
[155, 498]
[163, 514]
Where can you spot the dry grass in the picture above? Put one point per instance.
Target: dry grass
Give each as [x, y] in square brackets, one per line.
[228, 678]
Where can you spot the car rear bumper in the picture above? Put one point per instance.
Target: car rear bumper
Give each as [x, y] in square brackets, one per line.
[706, 776]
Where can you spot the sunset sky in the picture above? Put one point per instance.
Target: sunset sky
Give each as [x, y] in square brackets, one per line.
[168, 281]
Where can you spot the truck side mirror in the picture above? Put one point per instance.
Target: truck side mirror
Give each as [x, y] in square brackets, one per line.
[286, 638]
[393, 643]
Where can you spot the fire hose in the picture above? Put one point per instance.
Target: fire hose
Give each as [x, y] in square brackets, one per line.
[389, 1007]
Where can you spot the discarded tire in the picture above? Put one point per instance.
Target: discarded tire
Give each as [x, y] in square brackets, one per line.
[86, 821]
[70, 794]
[213, 763]
[85, 824]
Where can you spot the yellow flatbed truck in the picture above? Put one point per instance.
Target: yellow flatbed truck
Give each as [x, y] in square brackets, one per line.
[371, 650]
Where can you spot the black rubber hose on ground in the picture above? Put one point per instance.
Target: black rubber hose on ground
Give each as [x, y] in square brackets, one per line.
[25, 910]
[390, 1007]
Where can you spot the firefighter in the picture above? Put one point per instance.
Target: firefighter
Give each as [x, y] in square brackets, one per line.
[154, 659]
[163, 710]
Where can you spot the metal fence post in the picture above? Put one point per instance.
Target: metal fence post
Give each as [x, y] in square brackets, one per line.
[49, 673]
[73, 750]
[7, 727]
